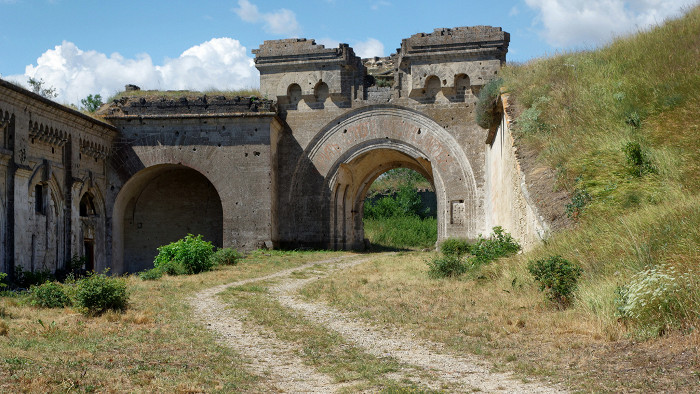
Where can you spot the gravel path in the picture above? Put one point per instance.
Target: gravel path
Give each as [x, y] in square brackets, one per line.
[287, 372]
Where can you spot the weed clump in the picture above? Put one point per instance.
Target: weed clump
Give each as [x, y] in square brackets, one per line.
[49, 295]
[190, 255]
[97, 293]
[638, 159]
[152, 274]
[447, 266]
[486, 108]
[225, 256]
[501, 244]
[455, 247]
[458, 256]
[659, 298]
[557, 277]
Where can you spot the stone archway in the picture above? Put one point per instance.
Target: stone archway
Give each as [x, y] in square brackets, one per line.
[159, 205]
[349, 153]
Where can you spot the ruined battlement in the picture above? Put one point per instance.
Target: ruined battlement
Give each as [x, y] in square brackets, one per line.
[150, 106]
[474, 39]
[302, 53]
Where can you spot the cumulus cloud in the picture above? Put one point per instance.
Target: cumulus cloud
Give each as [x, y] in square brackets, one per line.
[220, 63]
[364, 49]
[369, 48]
[592, 22]
[282, 21]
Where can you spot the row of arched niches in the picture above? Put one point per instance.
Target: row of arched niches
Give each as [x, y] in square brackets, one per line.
[432, 90]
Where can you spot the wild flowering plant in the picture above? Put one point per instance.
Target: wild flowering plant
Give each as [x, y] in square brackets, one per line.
[657, 298]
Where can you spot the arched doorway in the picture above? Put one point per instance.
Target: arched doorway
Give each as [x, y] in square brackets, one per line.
[159, 205]
[338, 166]
[400, 211]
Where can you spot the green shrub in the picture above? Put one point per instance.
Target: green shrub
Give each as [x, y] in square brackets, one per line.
[501, 244]
[579, 200]
[557, 277]
[638, 159]
[97, 293]
[192, 253]
[446, 266]
[225, 256]
[152, 274]
[406, 202]
[49, 295]
[2, 280]
[658, 298]
[486, 107]
[455, 247]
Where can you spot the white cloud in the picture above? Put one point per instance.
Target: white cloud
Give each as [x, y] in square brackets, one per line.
[282, 21]
[592, 22]
[369, 48]
[514, 11]
[328, 42]
[220, 63]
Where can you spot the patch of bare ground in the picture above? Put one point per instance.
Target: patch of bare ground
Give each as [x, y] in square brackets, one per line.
[285, 371]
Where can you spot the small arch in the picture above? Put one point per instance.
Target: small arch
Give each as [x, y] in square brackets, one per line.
[462, 85]
[87, 206]
[432, 86]
[294, 94]
[321, 92]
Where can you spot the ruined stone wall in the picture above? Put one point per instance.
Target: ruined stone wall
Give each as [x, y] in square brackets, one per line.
[231, 142]
[52, 158]
[436, 78]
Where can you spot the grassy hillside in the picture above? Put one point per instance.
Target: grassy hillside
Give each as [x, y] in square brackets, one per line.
[620, 127]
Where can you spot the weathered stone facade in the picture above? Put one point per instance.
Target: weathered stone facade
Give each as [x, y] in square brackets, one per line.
[286, 171]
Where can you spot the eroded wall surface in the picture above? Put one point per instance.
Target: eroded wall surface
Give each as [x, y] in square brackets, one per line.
[52, 158]
[507, 200]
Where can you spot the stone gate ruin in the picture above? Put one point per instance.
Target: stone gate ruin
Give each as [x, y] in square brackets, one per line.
[291, 169]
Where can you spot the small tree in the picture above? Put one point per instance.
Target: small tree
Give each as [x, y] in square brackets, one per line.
[91, 103]
[37, 86]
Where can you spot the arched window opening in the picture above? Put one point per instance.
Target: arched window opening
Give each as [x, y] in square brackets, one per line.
[432, 86]
[321, 92]
[294, 93]
[40, 199]
[462, 85]
[87, 206]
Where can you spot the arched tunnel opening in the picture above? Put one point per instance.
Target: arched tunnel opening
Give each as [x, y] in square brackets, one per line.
[162, 204]
[400, 211]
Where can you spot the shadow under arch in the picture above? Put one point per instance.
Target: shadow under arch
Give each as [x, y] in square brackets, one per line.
[158, 205]
[333, 173]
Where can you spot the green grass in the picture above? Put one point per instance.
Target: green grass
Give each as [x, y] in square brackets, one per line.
[399, 232]
[619, 125]
[173, 94]
[154, 346]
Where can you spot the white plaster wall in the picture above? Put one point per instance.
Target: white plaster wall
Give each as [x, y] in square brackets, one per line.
[507, 201]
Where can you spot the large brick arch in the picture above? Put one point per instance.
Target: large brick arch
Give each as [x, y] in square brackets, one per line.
[141, 161]
[332, 177]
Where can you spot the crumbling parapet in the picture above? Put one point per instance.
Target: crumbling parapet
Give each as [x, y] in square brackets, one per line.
[301, 73]
[451, 64]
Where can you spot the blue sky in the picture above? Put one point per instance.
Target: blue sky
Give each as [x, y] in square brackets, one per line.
[82, 47]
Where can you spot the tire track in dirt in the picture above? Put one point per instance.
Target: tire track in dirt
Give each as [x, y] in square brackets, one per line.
[287, 371]
[464, 372]
[266, 355]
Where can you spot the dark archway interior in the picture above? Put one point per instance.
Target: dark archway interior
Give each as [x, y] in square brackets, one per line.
[177, 201]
